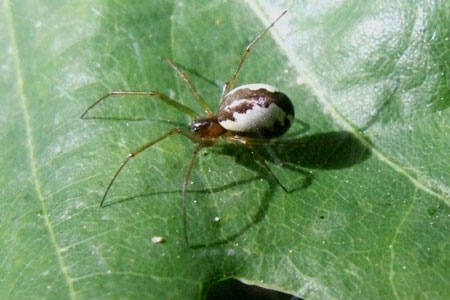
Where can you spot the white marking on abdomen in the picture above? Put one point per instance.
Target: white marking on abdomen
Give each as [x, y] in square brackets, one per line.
[253, 119]
[254, 87]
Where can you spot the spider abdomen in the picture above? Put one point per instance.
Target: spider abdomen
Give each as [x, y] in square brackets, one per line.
[256, 110]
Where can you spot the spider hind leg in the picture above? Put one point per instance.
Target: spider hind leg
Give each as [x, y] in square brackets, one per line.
[250, 143]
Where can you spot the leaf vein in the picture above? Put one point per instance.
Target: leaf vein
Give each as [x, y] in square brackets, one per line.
[391, 246]
[30, 145]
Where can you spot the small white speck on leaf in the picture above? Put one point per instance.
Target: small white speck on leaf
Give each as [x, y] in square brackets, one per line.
[157, 239]
[231, 252]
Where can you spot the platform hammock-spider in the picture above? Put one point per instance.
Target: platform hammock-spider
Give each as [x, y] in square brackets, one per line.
[250, 114]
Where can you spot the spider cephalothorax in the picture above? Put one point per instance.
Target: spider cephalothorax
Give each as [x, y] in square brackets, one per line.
[207, 127]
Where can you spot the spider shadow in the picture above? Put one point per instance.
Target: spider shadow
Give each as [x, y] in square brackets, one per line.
[323, 151]
[133, 119]
[194, 72]
[255, 219]
[217, 189]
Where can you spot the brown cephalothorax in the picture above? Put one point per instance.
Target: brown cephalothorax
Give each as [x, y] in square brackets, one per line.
[207, 127]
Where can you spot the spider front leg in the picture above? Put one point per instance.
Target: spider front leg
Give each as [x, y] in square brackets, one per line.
[230, 84]
[180, 107]
[144, 147]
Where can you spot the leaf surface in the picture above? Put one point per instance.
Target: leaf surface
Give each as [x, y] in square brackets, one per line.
[367, 215]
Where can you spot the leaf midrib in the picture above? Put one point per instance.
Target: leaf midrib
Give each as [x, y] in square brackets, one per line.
[323, 99]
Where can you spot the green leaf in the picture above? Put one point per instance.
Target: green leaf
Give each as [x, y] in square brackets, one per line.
[368, 213]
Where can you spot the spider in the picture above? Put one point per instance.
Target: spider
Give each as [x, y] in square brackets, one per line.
[250, 114]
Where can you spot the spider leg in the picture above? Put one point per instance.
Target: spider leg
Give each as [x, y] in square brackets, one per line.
[144, 147]
[180, 107]
[249, 142]
[191, 86]
[266, 166]
[185, 185]
[230, 84]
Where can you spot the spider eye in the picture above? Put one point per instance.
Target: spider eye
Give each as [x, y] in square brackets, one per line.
[195, 126]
